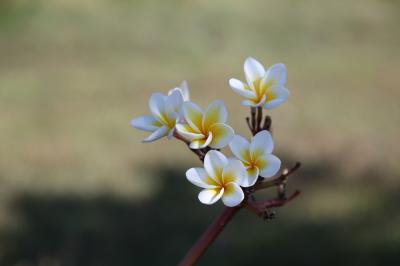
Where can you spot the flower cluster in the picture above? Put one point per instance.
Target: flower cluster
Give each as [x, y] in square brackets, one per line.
[206, 131]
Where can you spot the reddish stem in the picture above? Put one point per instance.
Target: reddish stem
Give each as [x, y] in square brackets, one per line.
[209, 236]
[259, 207]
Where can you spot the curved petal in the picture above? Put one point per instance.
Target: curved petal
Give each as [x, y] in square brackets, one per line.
[269, 165]
[275, 96]
[253, 70]
[201, 143]
[173, 104]
[210, 195]
[242, 89]
[277, 73]
[234, 172]
[187, 132]
[261, 144]
[252, 176]
[240, 148]
[170, 133]
[216, 113]
[183, 89]
[198, 177]
[193, 115]
[159, 133]
[146, 123]
[222, 135]
[214, 163]
[157, 105]
[254, 103]
[233, 195]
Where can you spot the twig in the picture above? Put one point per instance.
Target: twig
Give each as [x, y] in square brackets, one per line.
[259, 118]
[277, 181]
[248, 124]
[253, 120]
[267, 123]
[199, 152]
[260, 207]
[209, 236]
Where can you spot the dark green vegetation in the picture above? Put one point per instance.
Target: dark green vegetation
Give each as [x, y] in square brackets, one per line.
[111, 231]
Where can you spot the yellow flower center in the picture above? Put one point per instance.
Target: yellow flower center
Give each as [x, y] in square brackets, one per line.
[262, 89]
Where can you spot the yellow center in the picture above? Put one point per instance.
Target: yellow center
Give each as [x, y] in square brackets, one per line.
[262, 89]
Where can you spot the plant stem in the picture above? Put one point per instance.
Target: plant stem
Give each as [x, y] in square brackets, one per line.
[209, 236]
[259, 119]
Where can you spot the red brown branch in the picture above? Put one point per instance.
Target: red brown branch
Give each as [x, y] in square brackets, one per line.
[199, 152]
[276, 182]
[209, 236]
[259, 207]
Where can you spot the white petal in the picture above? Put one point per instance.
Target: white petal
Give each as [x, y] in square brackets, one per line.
[253, 70]
[222, 135]
[146, 123]
[252, 176]
[233, 195]
[198, 177]
[193, 115]
[275, 96]
[216, 113]
[157, 105]
[209, 196]
[234, 172]
[269, 165]
[159, 133]
[201, 143]
[240, 148]
[241, 89]
[170, 134]
[187, 132]
[277, 73]
[173, 104]
[261, 144]
[214, 163]
[183, 90]
[253, 103]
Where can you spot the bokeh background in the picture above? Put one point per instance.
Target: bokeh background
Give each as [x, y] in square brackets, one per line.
[77, 187]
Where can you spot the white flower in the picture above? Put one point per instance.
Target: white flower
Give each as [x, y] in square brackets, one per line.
[263, 88]
[166, 113]
[205, 128]
[256, 156]
[183, 89]
[220, 178]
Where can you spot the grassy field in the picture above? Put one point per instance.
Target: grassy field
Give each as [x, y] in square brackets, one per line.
[73, 73]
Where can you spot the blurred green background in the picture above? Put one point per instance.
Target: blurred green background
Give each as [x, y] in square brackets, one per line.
[78, 188]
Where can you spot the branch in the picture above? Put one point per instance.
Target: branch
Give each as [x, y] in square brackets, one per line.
[199, 152]
[259, 118]
[209, 236]
[249, 125]
[253, 120]
[259, 207]
[267, 123]
[278, 181]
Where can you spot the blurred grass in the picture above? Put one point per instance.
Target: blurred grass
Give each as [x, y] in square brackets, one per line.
[73, 73]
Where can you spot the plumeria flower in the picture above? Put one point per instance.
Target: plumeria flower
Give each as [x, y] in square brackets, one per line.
[205, 128]
[183, 89]
[165, 114]
[220, 178]
[264, 88]
[256, 156]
